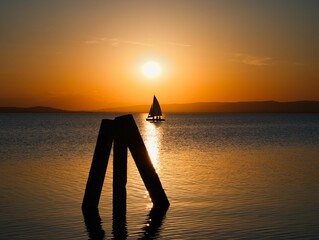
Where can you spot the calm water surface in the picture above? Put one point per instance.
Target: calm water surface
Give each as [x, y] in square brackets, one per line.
[226, 176]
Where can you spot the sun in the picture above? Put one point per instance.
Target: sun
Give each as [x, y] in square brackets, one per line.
[151, 69]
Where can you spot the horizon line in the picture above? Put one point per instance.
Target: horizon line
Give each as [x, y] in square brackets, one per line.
[246, 106]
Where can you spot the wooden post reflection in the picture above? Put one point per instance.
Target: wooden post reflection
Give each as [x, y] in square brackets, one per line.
[154, 223]
[93, 224]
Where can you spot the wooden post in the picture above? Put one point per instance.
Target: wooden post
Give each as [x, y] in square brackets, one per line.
[99, 165]
[119, 174]
[128, 130]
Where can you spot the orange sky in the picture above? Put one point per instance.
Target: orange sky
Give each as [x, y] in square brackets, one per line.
[88, 54]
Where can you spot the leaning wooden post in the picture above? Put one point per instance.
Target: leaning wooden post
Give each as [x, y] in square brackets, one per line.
[99, 165]
[128, 130]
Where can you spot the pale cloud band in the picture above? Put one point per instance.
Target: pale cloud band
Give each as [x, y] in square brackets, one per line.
[179, 44]
[116, 42]
[252, 60]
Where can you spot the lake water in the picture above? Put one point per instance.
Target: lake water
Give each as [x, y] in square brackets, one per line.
[227, 176]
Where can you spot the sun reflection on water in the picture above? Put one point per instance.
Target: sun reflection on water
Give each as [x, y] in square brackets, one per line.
[153, 142]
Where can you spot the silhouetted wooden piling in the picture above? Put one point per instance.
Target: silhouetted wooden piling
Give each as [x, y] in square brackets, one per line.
[128, 130]
[99, 165]
[123, 130]
[119, 173]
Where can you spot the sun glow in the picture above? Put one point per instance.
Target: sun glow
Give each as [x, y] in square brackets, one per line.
[151, 69]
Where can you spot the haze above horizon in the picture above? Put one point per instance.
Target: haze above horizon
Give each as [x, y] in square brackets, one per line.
[89, 54]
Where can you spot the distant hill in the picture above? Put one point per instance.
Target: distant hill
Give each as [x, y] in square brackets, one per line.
[127, 109]
[201, 107]
[246, 107]
[228, 107]
[38, 109]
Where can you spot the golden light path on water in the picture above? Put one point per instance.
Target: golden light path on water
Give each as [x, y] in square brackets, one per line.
[152, 139]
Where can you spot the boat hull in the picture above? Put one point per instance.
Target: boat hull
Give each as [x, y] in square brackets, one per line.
[155, 120]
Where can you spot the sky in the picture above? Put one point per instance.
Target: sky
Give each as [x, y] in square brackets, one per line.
[87, 55]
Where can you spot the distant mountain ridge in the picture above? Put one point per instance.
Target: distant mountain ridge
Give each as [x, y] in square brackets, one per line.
[37, 109]
[200, 107]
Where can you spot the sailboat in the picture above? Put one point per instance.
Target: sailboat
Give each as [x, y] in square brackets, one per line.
[155, 113]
